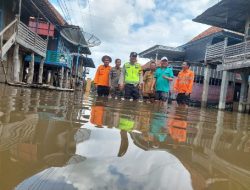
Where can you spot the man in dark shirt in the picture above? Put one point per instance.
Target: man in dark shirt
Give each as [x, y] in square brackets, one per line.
[114, 77]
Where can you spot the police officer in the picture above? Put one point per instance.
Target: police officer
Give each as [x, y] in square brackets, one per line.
[131, 78]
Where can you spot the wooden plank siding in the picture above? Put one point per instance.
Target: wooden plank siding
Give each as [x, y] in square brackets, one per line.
[31, 40]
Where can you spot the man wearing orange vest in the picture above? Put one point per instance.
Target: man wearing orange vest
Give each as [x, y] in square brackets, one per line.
[184, 84]
[102, 76]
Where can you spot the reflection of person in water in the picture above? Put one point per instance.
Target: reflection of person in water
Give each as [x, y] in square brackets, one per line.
[97, 113]
[124, 143]
[125, 125]
[177, 127]
[158, 132]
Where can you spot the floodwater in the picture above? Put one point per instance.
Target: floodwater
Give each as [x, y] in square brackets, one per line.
[69, 141]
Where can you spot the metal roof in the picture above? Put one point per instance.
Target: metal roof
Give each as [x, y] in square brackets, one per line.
[45, 9]
[171, 52]
[228, 14]
[88, 62]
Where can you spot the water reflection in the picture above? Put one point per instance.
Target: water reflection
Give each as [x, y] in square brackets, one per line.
[59, 140]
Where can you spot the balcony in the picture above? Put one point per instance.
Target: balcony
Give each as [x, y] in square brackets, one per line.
[233, 57]
[57, 58]
[31, 40]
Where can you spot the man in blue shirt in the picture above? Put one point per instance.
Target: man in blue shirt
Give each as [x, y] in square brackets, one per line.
[163, 76]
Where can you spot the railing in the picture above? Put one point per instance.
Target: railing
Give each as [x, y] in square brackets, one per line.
[237, 52]
[233, 53]
[55, 57]
[7, 38]
[31, 40]
[215, 51]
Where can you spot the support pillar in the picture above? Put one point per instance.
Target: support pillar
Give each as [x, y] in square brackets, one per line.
[88, 85]
[61, 77]
[40, 76]
[31, 69]
[243, 92]
[219, 130]
[66, 79]
[49, 77]
[223, 90]
[16, 63]
[206, 86]
[248, 97]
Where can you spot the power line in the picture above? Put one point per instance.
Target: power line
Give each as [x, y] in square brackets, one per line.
[67, 11]
[62, 9]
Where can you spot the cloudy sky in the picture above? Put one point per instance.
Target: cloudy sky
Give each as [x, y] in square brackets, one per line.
[135, 25]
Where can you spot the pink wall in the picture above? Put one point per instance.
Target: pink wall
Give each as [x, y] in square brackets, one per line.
[213, 93]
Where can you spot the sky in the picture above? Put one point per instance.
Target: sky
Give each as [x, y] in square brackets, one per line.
[135, 25]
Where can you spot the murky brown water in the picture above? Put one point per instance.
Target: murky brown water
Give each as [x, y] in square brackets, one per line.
[59, 140]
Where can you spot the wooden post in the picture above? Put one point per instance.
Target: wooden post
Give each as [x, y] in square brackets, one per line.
[40, 76]
[61, 77]
[31, 69]
[49, 77]
[88, 85]
[248, 97]
[16, 63]
[66, 79]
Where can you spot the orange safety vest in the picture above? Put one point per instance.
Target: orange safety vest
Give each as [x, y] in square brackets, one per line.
[96, 117]
[184, 82]
[177, 130]
[102, 76]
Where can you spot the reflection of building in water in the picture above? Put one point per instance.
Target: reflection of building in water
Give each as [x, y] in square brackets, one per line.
[18, 132]
[30, 145]
[216, 157]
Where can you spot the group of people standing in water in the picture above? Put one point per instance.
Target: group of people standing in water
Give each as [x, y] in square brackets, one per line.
[130, 82]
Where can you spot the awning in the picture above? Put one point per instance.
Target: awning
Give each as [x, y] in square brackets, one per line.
[228, 14]
[88, 62]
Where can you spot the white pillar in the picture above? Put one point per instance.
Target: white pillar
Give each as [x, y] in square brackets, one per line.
[243, 92]
[49, 77]
[31, 69]
[40, 76]
[16, 63]
[219, 130]
[248, 98]
[223, 90]
[205, 86]
[61, 77]
[66, 79]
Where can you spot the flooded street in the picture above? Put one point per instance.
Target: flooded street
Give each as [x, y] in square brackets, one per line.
[62, 140]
